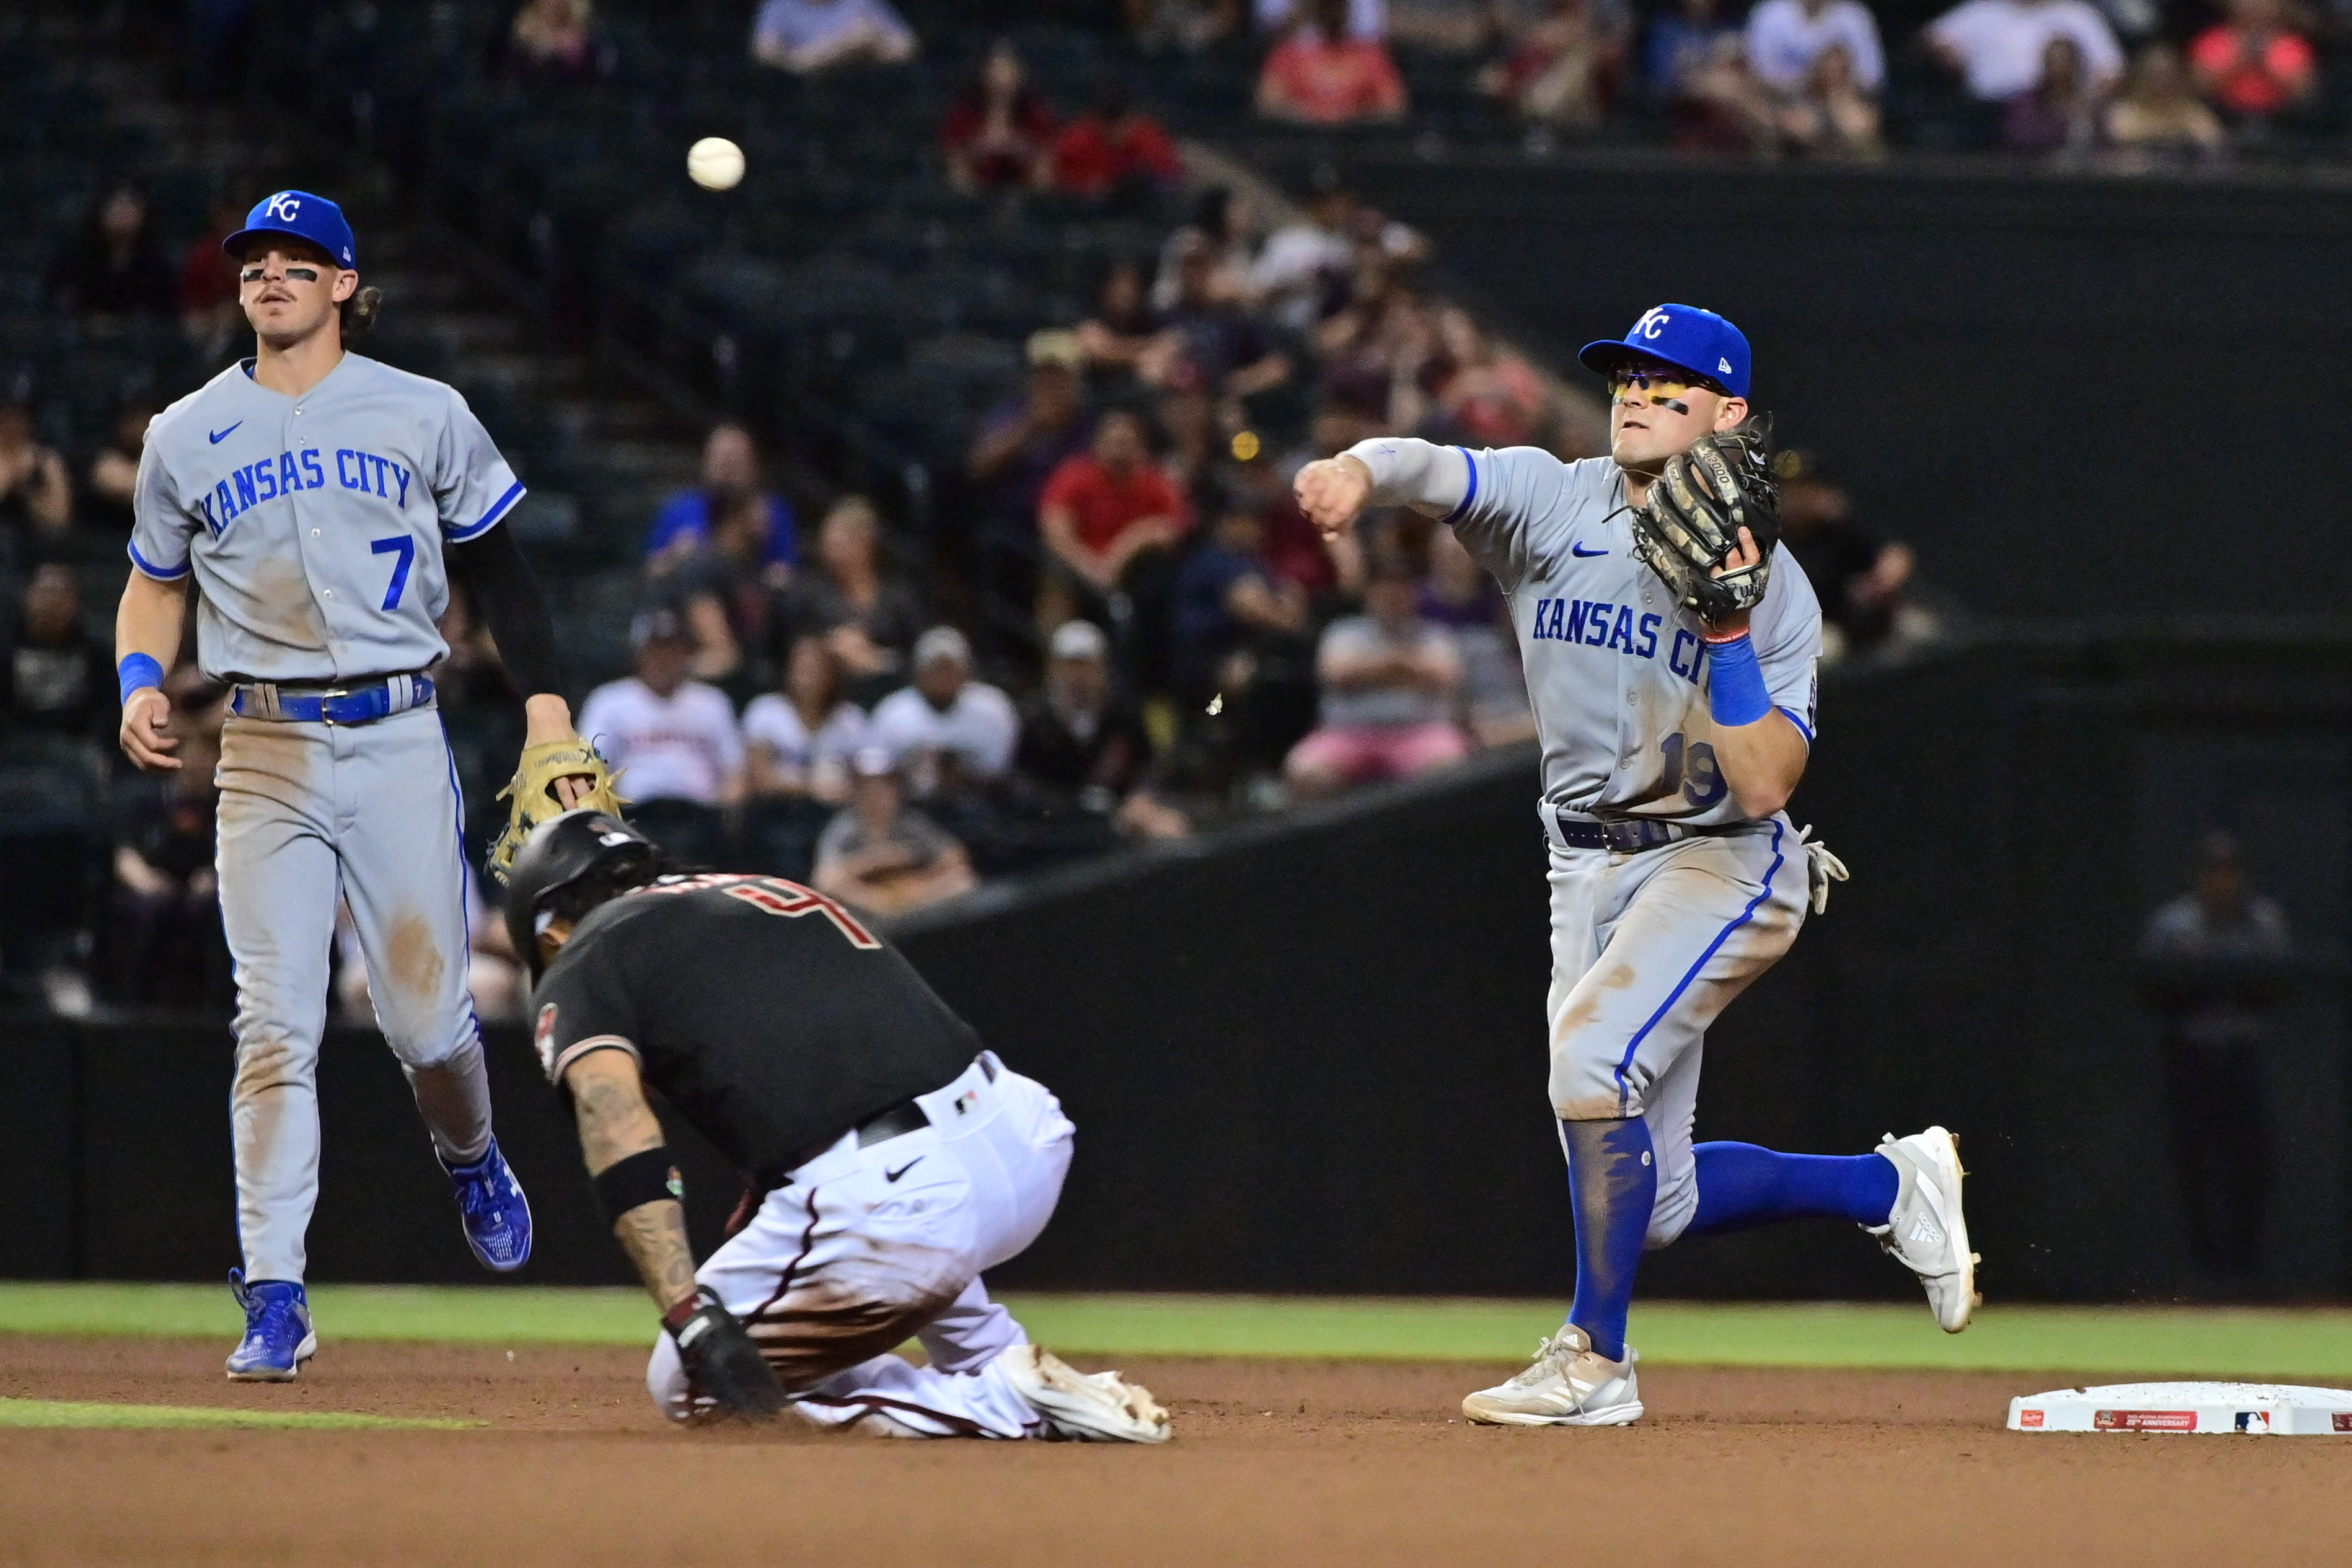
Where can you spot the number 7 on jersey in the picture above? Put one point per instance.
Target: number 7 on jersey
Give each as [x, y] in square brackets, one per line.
[405, 547]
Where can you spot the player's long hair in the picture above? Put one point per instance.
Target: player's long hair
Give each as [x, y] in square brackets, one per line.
[359, 311]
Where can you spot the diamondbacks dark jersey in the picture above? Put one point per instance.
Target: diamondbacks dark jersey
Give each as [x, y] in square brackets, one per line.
[765, 1012]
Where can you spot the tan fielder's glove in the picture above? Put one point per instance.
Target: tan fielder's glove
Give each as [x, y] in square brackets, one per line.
[534, 797]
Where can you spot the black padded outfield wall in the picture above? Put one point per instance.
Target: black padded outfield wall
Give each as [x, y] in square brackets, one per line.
[1310, 1056]
[2046, 383]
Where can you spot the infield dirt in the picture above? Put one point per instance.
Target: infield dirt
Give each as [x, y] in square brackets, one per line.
[1274, 1462]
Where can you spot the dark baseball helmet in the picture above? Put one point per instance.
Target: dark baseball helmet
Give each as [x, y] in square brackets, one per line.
[560, 854]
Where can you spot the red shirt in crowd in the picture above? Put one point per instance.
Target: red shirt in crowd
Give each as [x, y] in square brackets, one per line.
[1106, 505]
[1094, 155]
[1028, 136]
[2252, 73]
[1313, 79]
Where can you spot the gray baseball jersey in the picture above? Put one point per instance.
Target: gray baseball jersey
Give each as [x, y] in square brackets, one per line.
[314, 524]
[1617, 672]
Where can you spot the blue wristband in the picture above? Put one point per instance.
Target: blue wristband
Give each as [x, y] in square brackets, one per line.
[137, 670]
[1734, 683]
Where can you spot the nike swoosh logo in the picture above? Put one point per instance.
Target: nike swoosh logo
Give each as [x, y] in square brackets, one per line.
[220, 435]
[1587, 555]
[893, 1176]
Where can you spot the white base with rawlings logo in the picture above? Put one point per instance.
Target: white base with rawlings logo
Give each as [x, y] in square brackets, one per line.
[2255, 1409]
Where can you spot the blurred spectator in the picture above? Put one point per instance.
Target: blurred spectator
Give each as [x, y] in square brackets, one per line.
[676, 738]
[1292, 548]
[882, 857]
[999, 135]
[806, 36]
[1998, 47]
[1115, 150]
[1196, 447]
[1859, 577]
[1461, 596]
[867, 622]
[1831, 113]
[1491, 395]
[1390, 679]
[1022, 444]
[1109, 505]
[113, 268]
[1821, 63]
[1188, 25]
[1083, 744]
[57, 678]
[2061, 115]
[2216, 962]
[1230, 606]
[35, 493]
[1218, 231]
[724, 592]
[801, 738]
[730, 473]
[1306, 270]
[208, 307]
[113, 474]
[947, 729]
[492, 976]
[1785, 38]
[163, 943]
[1321, 75]
[2251, 65]
[1696, 62]
[2156, 115]
[1556, 72]
[557, 41]
[1374, 353]
[1124, 334]
[1363, 18]
[1215, 335]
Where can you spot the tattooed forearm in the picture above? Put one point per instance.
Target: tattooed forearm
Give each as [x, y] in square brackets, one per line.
[654, 1235]
[609, 1102]
[610, 1106]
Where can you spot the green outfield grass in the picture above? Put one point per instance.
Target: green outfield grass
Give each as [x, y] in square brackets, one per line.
[2176, 1341]
[72, 1413]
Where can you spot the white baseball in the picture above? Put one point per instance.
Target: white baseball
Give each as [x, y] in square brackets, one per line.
[715, 163]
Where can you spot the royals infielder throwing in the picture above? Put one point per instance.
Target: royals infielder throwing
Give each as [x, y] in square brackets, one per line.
[1671, 741]
[313, 493]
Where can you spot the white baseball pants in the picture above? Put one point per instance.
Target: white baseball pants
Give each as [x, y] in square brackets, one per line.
[864, 1248]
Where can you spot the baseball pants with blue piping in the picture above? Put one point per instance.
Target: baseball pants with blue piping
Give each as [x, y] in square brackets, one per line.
[310, 813]
[1646, 950]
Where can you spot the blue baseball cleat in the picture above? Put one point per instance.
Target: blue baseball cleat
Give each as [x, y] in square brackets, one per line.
[497, 1216]
[278, 1334]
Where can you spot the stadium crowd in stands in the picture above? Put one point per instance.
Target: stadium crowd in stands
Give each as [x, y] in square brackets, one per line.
[2125, 82]
[1114, 627]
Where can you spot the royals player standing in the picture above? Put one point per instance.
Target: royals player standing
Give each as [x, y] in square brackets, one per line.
[312, 493]
[1670, 746]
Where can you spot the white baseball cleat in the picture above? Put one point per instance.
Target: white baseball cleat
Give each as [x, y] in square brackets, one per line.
[1927, 1233]
[1568, 1385]
[1088, 1407]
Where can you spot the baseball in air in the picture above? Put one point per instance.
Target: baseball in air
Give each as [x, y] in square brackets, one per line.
[715, 163]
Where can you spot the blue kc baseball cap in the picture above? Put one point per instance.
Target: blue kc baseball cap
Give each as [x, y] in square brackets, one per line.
[301, 214]
[1683, 336]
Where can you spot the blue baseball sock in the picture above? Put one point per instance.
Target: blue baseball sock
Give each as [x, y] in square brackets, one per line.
[1740, 1184]
[1612, 1184]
